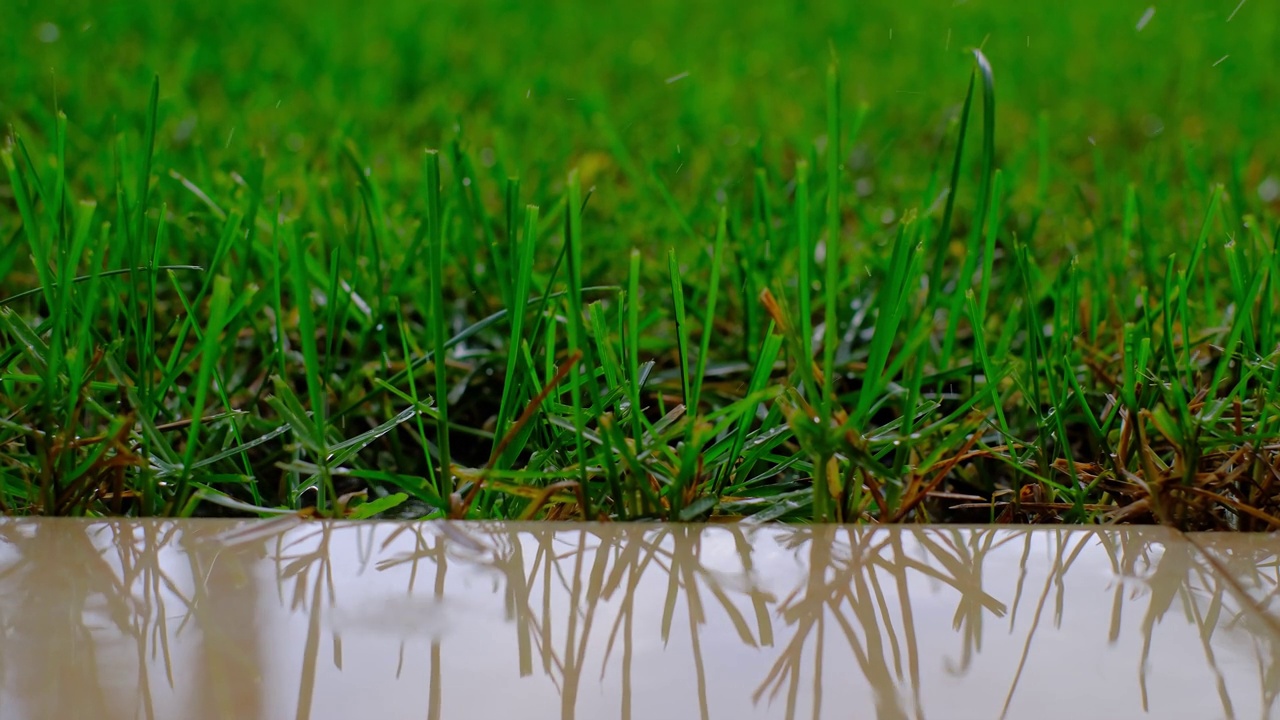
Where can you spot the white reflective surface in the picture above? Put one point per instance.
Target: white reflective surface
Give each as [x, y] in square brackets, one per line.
[214, 619]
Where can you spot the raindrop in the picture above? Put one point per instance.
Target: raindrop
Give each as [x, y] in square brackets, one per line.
[1146, 18]
[182, 131]
[1269, 189]
[47, 32]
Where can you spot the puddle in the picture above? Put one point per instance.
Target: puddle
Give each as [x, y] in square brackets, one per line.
[227, 619]
[1252, 562]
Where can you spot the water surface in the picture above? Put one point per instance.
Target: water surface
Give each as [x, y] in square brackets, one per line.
[230, 619]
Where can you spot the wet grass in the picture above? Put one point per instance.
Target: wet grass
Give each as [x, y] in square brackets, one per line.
[896, 264]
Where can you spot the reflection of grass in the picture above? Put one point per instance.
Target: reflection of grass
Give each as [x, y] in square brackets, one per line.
[509, 261]
[858, 591]
[68, 586]
[845, 590]
[577, 599]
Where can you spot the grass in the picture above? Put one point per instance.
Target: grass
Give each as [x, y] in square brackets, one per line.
[917, 262]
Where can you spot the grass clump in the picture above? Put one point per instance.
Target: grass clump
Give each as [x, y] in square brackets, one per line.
[721, 276]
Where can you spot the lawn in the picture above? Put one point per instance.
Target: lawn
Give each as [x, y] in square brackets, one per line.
[922, 261]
